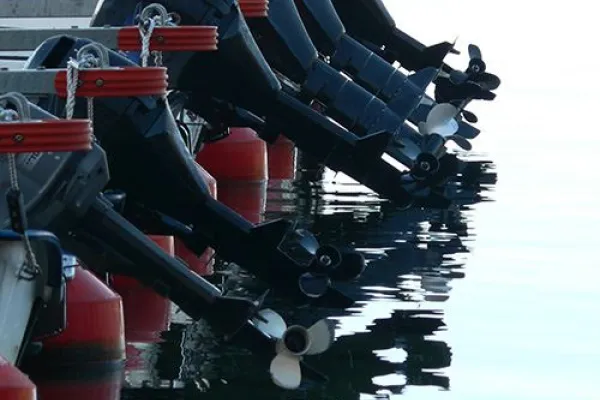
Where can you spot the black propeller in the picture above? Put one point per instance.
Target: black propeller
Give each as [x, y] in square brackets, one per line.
[327, 264]
[459, 88]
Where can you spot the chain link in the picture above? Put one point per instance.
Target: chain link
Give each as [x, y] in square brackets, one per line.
[30, 268]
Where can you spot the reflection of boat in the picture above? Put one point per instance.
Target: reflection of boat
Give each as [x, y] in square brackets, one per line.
[84, 382]
[388, 341]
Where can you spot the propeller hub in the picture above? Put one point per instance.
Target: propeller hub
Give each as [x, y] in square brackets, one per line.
[425, 165]
[296, 340]
[325, 260]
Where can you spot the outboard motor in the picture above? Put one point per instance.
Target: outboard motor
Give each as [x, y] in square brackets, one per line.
[366, 68]
[371, 23]
[237, 78]
[289, 50]
[60, 192]
[167, 195]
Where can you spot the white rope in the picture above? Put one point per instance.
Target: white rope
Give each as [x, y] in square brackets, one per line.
[31, 268]
[151, 17]
[85, 60]
[146, 33]
[146, 28]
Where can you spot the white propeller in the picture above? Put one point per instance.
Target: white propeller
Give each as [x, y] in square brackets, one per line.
[441, 120]
[293, 343]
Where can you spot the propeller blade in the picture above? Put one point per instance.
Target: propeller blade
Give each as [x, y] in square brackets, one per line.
[423, 129]
[440, 114]
[488, 81]
[271, 323]
[454, 50]
[322, 336]
[461, 142]
[352, 266]
[441, 120]
[313, 286]
[474, 52]
[285, 371]
[411, 149]
[308, 241]
[448, 129]
[470, 117]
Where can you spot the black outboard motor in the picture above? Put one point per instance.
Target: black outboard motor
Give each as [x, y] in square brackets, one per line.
[151, 164]
[238, 75]
[289, 50]
[370, 22]
[366, 68]
[61, 193]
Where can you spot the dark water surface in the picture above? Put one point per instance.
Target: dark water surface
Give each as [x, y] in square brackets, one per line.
[496, 298]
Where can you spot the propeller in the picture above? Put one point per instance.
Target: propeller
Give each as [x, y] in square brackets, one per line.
[328, 264]
[293, 343]
[441, 121]
[474, 83]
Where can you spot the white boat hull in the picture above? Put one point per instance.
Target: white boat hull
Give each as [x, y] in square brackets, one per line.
[17, 296]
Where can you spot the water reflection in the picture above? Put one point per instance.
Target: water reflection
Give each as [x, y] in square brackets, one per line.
[389, 341]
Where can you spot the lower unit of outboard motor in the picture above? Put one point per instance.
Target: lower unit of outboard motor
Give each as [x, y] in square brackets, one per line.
[288, 48]
[61, 193]
[370, 22]
[365, 67]
[149, 161]
[237, 74]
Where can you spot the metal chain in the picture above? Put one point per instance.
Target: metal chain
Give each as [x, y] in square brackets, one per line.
[30, 268]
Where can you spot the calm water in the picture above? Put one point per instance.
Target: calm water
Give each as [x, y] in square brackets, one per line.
[494, 299]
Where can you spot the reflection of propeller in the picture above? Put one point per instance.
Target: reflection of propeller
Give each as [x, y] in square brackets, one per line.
[328, 264]
[292, 344]
[474, 83]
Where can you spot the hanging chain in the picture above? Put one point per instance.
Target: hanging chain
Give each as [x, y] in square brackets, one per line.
[30, 268]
